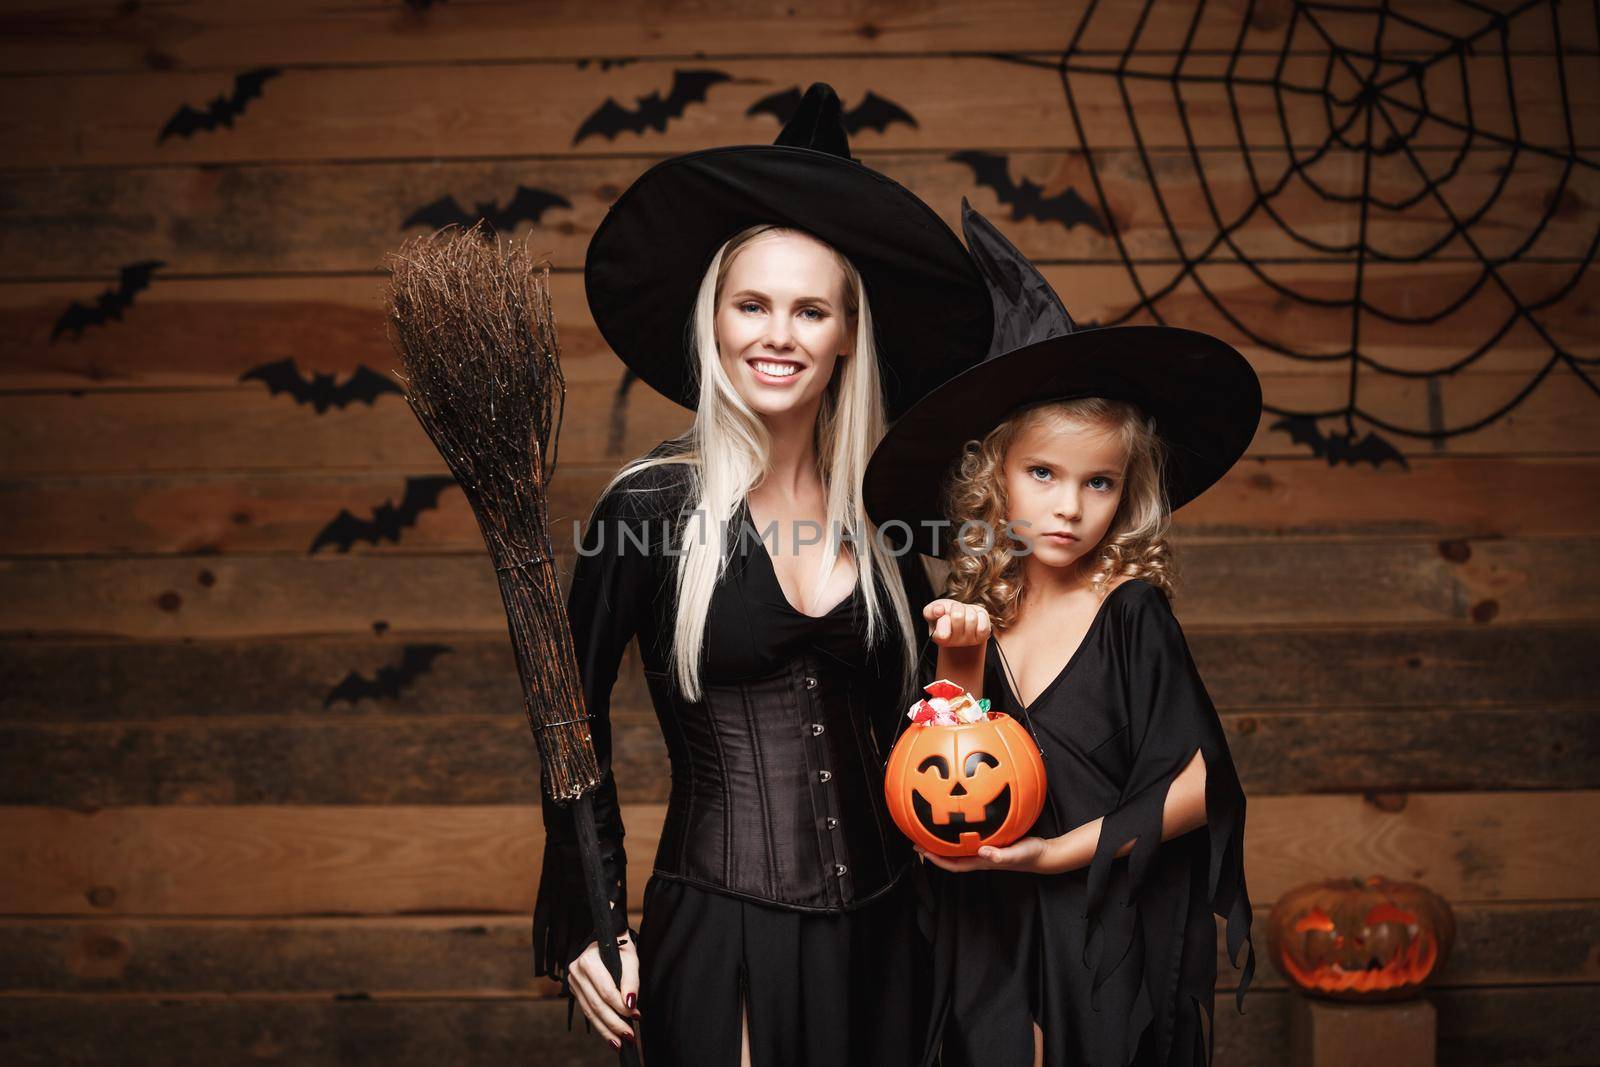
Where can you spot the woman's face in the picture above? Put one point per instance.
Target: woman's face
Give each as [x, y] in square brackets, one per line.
[1063, 483]
[781, 323]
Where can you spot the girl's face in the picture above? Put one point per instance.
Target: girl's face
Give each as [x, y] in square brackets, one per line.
[1063, 482]
[781, 322]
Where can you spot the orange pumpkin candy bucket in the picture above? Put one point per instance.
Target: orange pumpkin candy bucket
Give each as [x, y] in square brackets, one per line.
[962, 776]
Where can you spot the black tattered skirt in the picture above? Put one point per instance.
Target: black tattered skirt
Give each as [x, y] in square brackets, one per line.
[1013, 951]
[820, 989]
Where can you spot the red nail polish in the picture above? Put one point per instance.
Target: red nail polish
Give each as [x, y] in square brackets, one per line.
[616, 1044]
[632, 1001]
[627, 1035]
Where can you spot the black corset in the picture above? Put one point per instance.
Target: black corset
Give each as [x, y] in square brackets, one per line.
[777, 788]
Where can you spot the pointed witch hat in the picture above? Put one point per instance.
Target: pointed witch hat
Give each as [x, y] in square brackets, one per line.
[929, 305]
[1203, 395]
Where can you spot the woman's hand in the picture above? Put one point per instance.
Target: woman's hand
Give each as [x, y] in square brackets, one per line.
[1035, 855]
[953, 624]
[607, 1007]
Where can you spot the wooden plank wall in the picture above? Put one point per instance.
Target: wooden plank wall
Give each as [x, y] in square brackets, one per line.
[212, 854]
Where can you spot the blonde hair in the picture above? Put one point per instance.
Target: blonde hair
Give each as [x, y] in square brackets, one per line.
[726, 453]
[985, 568]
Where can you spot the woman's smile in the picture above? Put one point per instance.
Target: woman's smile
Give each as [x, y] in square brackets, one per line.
[775, 371]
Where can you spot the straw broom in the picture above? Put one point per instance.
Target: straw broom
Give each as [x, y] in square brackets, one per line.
[475, 330]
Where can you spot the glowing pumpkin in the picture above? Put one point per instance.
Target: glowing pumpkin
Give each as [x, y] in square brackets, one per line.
[1360, 939]
[953, 789]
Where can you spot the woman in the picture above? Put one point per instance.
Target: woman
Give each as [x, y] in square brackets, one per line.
[778, 925]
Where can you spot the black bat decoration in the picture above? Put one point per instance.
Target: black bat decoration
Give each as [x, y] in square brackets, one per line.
[527, 205]
[388, 520]
[617, 429]
[109, 304]
[319, 391]
[1339, 448]
[652, 112]
[415, 661]
[873, 113]
[220, 112]
[1025, 198]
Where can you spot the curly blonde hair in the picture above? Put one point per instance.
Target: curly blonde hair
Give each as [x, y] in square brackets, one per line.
[985, 567]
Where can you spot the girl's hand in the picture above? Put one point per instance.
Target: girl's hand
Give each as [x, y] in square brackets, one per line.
[953, 624]
[607, 1007]
[1034, 855]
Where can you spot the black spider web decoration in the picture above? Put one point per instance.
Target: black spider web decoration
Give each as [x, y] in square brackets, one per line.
[1376, 101]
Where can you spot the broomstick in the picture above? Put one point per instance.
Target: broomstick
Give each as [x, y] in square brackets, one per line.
[476, 334]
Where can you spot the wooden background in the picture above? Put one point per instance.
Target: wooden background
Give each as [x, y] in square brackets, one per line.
[208, 859]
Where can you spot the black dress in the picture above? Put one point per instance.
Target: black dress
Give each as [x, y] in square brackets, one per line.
[1117, 961]
[780, 882]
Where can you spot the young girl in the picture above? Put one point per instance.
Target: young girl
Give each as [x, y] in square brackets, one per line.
[779, 926]
[1090, 940]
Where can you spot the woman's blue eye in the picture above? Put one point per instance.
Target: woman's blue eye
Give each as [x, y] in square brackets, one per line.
[748, 304]
[816, 312]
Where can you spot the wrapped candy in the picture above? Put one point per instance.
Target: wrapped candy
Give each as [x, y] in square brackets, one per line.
[967, 710]
[947, 704]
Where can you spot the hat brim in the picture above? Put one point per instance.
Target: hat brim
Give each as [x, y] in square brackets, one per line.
[932, 313]
[1204, 396]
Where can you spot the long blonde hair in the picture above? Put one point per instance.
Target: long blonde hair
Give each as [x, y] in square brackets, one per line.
[986, 569]
[726, 453]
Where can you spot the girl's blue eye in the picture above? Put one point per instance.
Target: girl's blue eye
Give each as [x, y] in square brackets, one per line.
[1100, 483]
[1036, 473]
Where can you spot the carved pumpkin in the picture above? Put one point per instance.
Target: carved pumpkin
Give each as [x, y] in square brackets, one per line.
[1360, 939]
[953, 789]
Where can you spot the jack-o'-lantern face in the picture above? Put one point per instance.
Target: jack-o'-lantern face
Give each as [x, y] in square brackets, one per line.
[977, 800]
[1355, 939]
[953, 789]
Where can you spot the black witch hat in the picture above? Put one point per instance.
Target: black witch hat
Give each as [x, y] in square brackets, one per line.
[647, 257]
[1202, 394]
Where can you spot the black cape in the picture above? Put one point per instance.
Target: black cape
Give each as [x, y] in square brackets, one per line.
[1117, 961]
